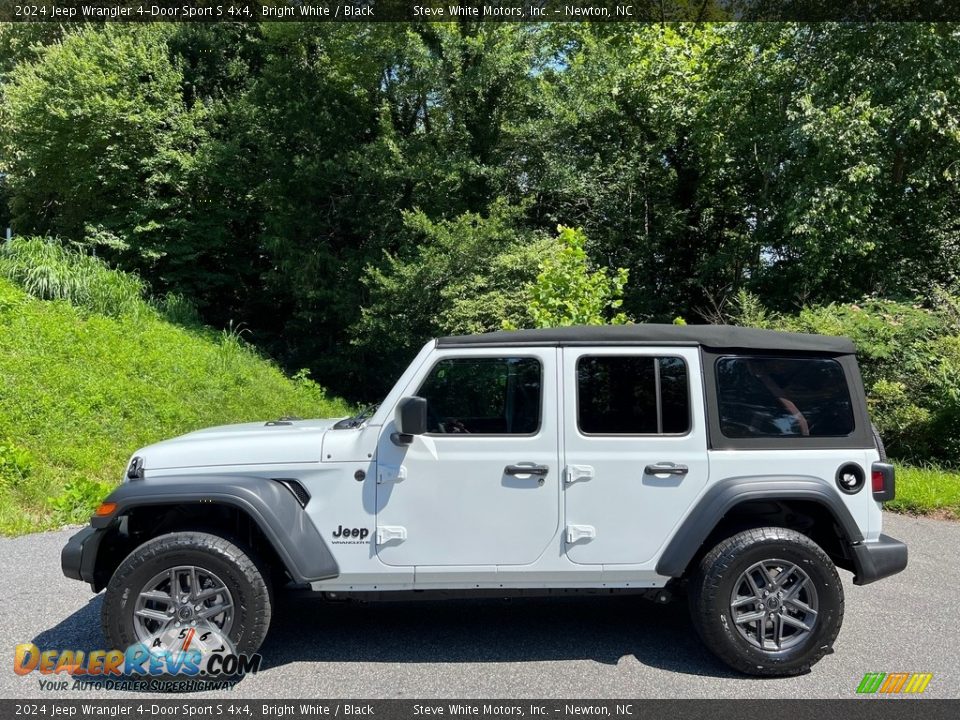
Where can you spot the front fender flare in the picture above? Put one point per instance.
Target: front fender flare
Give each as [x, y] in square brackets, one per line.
[724, 495]
[268, 503]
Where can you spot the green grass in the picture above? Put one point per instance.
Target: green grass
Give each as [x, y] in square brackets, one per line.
[49, 271]
[85, 381]
[927, 491]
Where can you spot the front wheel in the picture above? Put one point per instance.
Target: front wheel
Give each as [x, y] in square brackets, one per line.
[187, 590]
[767, 601]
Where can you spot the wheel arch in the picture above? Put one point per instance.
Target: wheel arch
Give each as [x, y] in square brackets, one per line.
[802, 503]
[262, 513]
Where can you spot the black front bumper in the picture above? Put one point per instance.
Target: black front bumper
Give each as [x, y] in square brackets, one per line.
[78, 559]
[876, 560]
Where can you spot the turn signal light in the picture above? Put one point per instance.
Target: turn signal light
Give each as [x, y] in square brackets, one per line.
[105, 509]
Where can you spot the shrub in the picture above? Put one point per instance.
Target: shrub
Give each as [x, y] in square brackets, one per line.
[909, 355]
[462, 275]
[474, 274]
[10, 298]
[569, 291]
[49, 271]
[80, 497]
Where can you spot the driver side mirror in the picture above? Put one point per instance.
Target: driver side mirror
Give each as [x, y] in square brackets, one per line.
[411, 419]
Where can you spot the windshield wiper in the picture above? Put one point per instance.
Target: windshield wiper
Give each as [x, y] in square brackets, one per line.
[357, 420]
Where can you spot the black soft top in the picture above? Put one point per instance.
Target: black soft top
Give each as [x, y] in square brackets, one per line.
[709, 336]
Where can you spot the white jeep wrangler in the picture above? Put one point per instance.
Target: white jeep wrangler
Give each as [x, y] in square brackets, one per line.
[737, 464]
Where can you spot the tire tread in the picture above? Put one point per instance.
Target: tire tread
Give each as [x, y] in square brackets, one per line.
[705, 600]
[221, 547]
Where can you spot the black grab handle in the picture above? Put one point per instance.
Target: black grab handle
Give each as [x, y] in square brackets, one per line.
[666, 469]
[540, 470]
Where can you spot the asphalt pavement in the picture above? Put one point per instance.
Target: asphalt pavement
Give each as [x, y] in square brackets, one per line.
[611, 647]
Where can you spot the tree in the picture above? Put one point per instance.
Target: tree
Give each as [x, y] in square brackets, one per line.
[284, 175]
[98, 144]
[833, 145]
[22, 41]
[464, 275]
[568, 292]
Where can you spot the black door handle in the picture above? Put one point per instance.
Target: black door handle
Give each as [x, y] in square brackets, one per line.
[666, 469]
[540, 470]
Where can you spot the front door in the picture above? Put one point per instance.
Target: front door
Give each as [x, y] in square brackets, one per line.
[635, 449]
[481, 487]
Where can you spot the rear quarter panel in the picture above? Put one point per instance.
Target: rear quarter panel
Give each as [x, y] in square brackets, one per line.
[821, 464]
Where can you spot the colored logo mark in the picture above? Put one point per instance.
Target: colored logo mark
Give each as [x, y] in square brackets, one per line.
[894, 683]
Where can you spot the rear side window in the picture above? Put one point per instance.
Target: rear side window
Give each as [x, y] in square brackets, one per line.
[632, 395]
[492, 396]
[783, 397]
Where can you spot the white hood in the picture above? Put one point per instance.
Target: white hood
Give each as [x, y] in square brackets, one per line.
[297, 441]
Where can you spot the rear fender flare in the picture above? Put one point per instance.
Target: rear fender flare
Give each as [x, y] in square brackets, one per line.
[723, 496]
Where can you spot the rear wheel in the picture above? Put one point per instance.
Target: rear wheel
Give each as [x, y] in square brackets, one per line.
[767, 601]
[187, 590]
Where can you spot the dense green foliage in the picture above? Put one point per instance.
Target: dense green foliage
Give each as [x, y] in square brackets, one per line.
[910, 360]
[80, 390]
[473, 274]
[101, 141]
[289, 176]
[568, 292]
[344, 192]
[462, 275]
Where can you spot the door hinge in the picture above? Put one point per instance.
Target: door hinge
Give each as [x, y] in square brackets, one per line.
[573, 473]
[386, 533]
[575, 533]
[391, 473]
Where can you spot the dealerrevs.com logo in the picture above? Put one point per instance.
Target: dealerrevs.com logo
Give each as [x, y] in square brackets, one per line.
[200, 660]
[894, 683]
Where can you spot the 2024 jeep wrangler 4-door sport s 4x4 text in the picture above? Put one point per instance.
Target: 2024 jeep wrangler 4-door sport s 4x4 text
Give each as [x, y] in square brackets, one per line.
[738, 463]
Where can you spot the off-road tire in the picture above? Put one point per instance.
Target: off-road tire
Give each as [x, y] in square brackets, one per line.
[713, 582]
[235, 566]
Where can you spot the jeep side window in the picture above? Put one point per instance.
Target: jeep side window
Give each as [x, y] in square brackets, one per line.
[782, 397]
[493, 396]
[632, 395]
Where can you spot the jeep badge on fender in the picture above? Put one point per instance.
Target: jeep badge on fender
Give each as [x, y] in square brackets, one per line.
[731, 463]
[342, 532]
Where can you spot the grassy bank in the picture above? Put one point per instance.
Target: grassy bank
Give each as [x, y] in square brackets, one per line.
[82, 387]
[927, 491]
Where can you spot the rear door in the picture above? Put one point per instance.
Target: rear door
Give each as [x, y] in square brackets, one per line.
[635, 449]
